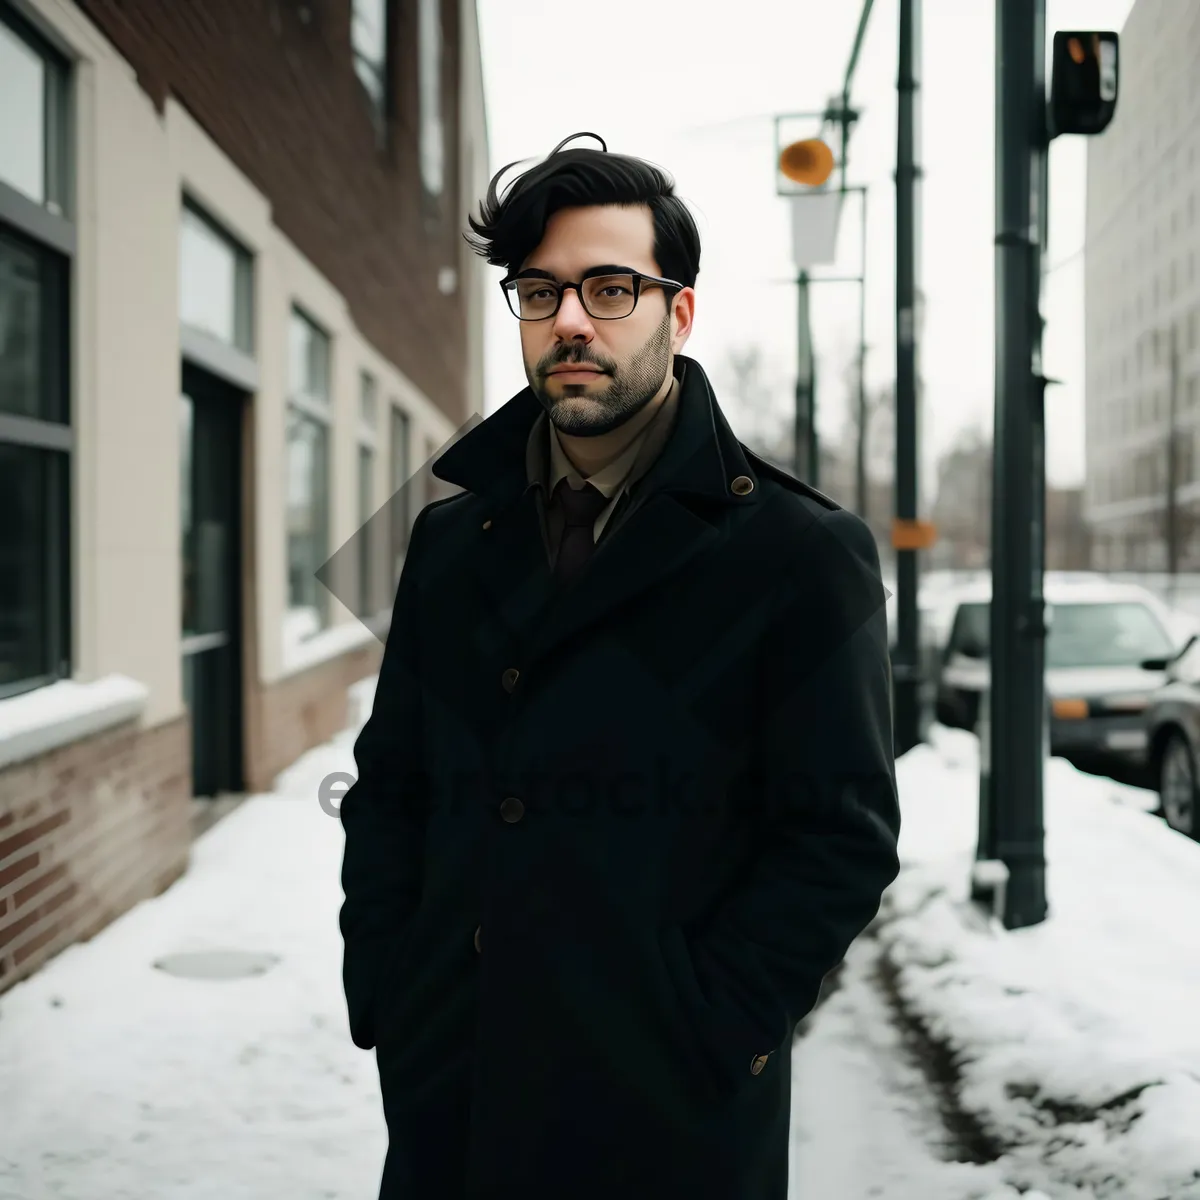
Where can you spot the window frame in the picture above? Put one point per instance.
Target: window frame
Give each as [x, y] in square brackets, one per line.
[46, 229]
[431, 119]
[58, 136]
[319, 411]
[381, 73]
[400, 514]
[367, 453]
[244, 332]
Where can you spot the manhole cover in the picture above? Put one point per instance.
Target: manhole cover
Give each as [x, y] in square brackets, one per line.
[217, 964]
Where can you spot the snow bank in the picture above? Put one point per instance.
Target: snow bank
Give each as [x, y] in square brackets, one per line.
[1077, 1041]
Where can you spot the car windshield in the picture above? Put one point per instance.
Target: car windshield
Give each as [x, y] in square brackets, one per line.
[1109, 634]
[1105, 635]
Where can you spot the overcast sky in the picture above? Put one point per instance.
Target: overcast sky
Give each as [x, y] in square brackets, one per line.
[696, 89]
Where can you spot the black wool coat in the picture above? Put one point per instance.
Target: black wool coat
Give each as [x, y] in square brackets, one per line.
[606, 840]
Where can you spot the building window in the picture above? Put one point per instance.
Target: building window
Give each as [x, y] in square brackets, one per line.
[33, 107]
[309, 415]
[433, 135]
[368, 599]
[36, 438]
[215, 281]
[432, 483]
[368, 38]
[400, 507]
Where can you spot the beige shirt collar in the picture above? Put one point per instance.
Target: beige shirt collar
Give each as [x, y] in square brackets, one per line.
[547, 462]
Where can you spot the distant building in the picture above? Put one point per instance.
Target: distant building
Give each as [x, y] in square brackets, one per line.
[962, 509]
[962, 513]
[236, 313]
[1142, 291]
[1068, 537]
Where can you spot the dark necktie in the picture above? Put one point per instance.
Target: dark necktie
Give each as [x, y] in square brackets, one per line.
[580, 510]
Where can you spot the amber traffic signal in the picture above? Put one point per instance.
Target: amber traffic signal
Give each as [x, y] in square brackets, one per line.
[809, 161]
[1083, 82]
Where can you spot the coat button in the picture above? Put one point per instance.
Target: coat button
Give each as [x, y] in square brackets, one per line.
[743, 485]
[757, 1065]
[509, 678]
[512, 810]
[477, 944]
[488, 523]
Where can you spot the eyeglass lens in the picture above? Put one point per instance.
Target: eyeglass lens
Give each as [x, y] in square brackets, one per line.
[606, 297]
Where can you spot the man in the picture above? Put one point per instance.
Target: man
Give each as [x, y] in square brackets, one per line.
[627, 793]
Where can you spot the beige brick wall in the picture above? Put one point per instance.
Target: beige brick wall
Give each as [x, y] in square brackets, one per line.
[86, 831]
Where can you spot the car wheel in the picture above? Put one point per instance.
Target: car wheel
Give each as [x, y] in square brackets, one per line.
[1177, 786]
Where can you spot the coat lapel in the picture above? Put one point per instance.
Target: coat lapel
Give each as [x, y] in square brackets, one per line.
[670, 518]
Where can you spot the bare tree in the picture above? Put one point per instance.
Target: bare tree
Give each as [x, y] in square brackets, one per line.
[871, 461]
[753, 390]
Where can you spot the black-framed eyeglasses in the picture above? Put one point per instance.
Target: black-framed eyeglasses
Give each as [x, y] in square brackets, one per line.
[606, 295]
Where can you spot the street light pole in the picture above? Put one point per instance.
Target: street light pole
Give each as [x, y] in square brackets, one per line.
[1013, 830]
[860, 463]
[906, 663]
[806, 452]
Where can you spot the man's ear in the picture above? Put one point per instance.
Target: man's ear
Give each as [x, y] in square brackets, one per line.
[683, 316]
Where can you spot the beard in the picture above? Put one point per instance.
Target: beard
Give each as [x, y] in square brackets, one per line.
[581, 410]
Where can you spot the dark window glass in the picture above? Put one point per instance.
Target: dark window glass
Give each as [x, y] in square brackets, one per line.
[33, 566]
[368, 603]
[401, 502]
[33, 315]
[972, 634]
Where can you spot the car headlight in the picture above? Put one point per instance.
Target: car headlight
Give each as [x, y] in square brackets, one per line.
[1127, 704]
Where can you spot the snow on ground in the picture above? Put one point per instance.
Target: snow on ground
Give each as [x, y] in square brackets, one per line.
[124, 1083]
[864, 1123]
[1078, 1039]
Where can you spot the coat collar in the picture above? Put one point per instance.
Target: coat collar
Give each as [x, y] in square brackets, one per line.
[669, 520]
[702, 457]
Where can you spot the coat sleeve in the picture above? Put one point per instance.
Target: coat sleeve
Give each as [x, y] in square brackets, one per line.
[382, 813]
[825, 774]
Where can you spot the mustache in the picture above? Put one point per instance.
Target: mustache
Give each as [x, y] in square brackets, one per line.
[574, 358]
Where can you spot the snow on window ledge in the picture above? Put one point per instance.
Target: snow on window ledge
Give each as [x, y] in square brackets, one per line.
[321, 647]
[64, 712]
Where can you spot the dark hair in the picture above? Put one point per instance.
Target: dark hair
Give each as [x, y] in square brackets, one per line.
[509, 229]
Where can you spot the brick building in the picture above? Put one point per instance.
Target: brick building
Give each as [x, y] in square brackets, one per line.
[236, 313]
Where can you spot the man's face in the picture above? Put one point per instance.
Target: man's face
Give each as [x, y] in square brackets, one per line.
[623, 363]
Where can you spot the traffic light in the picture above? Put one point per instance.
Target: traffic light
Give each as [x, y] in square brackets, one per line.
[809, 161]
[1083, 82]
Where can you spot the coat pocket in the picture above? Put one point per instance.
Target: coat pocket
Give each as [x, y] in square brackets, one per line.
[694, 1011]
[731, 1055]
[390, 983]
[425, 1011]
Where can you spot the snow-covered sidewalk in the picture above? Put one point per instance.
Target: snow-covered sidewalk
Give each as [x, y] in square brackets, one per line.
[122, 1082]
[1077, 1042]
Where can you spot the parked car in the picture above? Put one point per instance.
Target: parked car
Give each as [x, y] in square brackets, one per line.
[935, 597]
[1173, 738]
[1101, 636]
